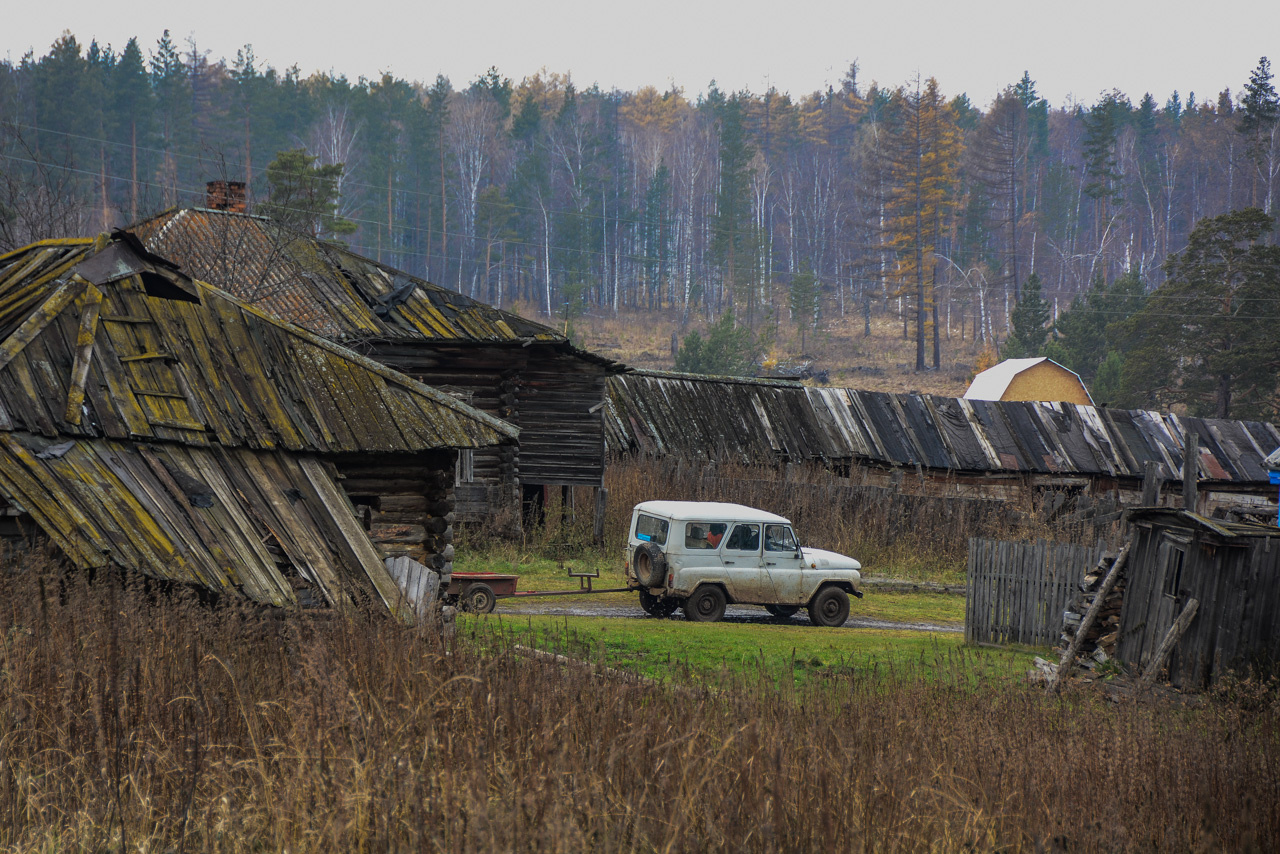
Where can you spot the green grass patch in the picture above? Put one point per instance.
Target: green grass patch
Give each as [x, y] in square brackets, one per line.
[538, 572]
[667, 649]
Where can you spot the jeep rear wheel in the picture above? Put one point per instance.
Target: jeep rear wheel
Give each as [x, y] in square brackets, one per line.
[830, 607]
[782, 612]
[657, 606]
[650, 565]
[706, 605]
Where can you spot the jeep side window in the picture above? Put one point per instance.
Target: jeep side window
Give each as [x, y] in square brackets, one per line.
[651, 529]
[778, 538]
[704, 535]
[745, 538]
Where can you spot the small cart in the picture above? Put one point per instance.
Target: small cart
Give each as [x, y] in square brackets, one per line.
[479, 592]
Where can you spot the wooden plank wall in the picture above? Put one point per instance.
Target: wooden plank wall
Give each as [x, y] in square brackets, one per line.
[561, 438]
[1237, 583]
[1018, 591]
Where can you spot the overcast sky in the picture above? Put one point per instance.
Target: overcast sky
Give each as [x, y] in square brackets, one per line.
[1074, 50]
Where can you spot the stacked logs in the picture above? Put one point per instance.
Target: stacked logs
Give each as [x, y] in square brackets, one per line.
[1099, 644]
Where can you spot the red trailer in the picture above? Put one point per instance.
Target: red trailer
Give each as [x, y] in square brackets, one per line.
[479, 592]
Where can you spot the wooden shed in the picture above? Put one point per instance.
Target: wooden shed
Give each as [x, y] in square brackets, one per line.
[1231, 569]
[1029, 379]
[158, 424]
[515, 369]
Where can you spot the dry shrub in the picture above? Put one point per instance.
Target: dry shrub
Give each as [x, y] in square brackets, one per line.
[904, 531]
[135, 722]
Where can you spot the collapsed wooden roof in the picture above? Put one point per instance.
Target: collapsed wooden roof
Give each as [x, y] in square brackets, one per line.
[326, 288]
[753, 421]
[154, 422]
[195, 365]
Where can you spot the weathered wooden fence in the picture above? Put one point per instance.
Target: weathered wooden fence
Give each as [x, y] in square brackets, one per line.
[1018, 591]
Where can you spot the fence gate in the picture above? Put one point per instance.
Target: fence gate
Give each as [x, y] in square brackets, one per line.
[1018, 591]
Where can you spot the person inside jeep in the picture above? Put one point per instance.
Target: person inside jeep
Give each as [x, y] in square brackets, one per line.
[716, 534]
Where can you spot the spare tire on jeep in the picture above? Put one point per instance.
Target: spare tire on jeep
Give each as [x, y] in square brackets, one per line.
[650, 565]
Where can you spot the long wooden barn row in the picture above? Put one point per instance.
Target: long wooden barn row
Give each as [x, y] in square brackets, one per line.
[158, 424]
[515, 369]
[657, 414]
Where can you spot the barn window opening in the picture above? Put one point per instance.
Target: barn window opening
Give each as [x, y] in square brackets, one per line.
[465, 470]
[1173, 571]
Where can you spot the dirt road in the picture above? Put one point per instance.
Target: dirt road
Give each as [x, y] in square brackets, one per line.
[733, 614]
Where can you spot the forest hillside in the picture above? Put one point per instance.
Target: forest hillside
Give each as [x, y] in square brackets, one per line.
[898, 236]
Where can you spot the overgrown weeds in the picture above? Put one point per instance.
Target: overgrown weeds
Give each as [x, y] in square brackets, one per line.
[131, 722]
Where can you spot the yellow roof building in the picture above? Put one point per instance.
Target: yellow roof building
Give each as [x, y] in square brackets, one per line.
[1029, 379]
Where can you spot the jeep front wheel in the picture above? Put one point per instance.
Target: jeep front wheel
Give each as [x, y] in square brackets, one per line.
[706, 605]
[829, 608]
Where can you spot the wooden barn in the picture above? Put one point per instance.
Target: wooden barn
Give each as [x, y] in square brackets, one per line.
[522, 372]
[1029, 379]
[1232, 571]
[154, 423]
[981, 448]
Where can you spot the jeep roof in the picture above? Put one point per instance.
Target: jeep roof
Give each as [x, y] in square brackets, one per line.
[708, 511]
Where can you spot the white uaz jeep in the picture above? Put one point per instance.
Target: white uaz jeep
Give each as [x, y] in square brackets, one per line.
[701, 555]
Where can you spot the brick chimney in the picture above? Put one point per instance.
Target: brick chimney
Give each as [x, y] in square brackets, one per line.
[226, 196]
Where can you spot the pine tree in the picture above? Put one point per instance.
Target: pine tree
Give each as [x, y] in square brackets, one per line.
[133, 105]
[1206, 338]
[732, 248]
[1030, 321]
[173, 108]
[304, 195]
[997, 162]
[1259, 123]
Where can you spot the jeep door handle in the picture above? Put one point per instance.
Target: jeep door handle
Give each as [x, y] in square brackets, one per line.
[769, 563]
[728, 563]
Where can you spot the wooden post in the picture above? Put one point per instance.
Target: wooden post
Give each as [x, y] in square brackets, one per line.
[1073, 649]
[1190, 471]
[602, 500]
[1165, 649]
[1151, 484]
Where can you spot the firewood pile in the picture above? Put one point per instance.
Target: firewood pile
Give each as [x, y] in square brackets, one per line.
[1099, 642]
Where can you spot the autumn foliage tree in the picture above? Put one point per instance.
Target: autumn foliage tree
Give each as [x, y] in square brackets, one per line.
[923, 154]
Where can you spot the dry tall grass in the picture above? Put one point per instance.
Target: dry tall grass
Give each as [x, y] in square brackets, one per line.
[128, 723]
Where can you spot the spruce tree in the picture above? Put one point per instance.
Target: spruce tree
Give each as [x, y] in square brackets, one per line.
[1030, 320]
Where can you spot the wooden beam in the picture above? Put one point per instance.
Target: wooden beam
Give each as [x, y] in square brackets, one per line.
[602, 500]
[84, 352]
[1073, 649]
[39, 319]
[1171, 639]
[1151, 484]
[1190, 470]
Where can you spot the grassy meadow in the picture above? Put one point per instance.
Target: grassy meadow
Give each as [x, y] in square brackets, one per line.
[133, 722]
